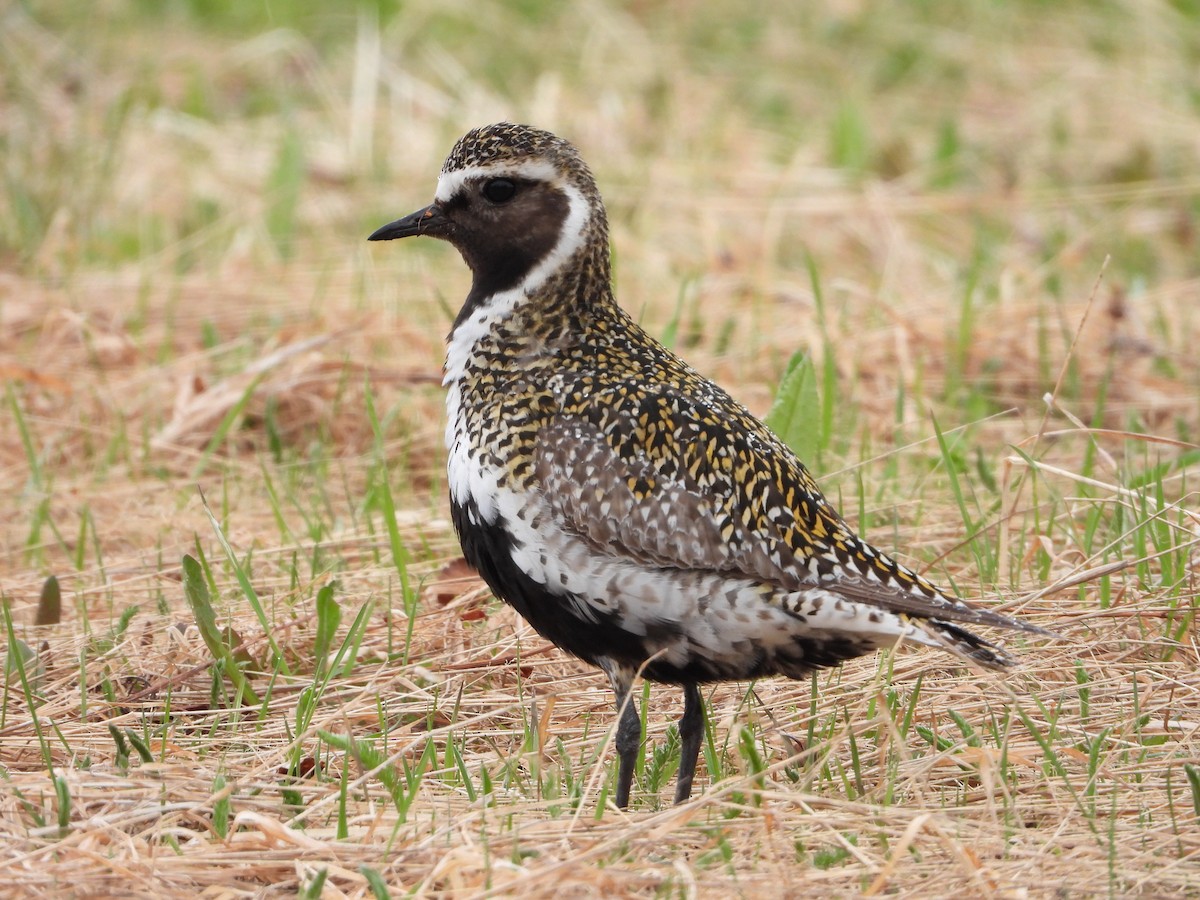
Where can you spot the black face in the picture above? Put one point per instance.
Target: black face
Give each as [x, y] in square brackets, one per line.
[503, 227]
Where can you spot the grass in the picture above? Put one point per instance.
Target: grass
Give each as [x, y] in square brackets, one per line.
[950, 249]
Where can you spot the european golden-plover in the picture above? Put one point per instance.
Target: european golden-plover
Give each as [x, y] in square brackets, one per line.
[626, 506]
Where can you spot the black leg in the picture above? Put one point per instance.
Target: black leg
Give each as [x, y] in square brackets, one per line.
[629, 731]
[629, 739]
[691, 733]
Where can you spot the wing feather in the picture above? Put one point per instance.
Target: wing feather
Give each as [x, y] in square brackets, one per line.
[711, 498]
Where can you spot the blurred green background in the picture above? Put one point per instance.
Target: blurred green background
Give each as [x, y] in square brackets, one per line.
[955, 209]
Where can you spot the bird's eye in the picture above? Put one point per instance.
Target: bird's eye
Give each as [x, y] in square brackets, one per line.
[499, 190]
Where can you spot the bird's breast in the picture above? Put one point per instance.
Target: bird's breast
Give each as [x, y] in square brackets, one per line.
[492, 425]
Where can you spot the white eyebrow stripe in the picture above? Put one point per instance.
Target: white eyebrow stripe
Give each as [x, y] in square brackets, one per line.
[450, 183]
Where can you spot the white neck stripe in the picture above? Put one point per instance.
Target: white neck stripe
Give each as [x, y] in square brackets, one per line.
[578, 210]
[570, 239]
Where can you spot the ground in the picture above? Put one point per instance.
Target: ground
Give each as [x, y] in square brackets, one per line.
[243, 657]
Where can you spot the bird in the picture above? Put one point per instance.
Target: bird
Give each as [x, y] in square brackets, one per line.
[633, 512]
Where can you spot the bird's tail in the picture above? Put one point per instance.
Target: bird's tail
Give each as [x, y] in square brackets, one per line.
[968, 646]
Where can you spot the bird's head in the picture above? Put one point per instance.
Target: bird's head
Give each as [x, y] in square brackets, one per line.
[519, 203]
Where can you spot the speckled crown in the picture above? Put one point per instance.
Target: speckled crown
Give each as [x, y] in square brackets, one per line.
[508, 141]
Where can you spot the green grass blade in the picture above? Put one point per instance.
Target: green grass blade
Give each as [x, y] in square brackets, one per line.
[329, 616]
[18, 655]
[375, 882]
[400, 557]
[247, 588]
[224, 426]
[795, 415]
[196, 589]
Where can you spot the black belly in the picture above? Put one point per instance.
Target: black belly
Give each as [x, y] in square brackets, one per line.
[489, 548]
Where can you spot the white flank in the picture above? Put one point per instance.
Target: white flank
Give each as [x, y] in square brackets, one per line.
[469, 480]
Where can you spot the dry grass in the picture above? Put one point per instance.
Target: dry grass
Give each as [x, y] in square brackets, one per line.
[186, 299]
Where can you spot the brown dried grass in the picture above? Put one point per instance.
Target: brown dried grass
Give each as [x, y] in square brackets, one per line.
[121, 387]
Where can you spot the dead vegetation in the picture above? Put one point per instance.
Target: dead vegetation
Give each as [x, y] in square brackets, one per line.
[187, 303]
